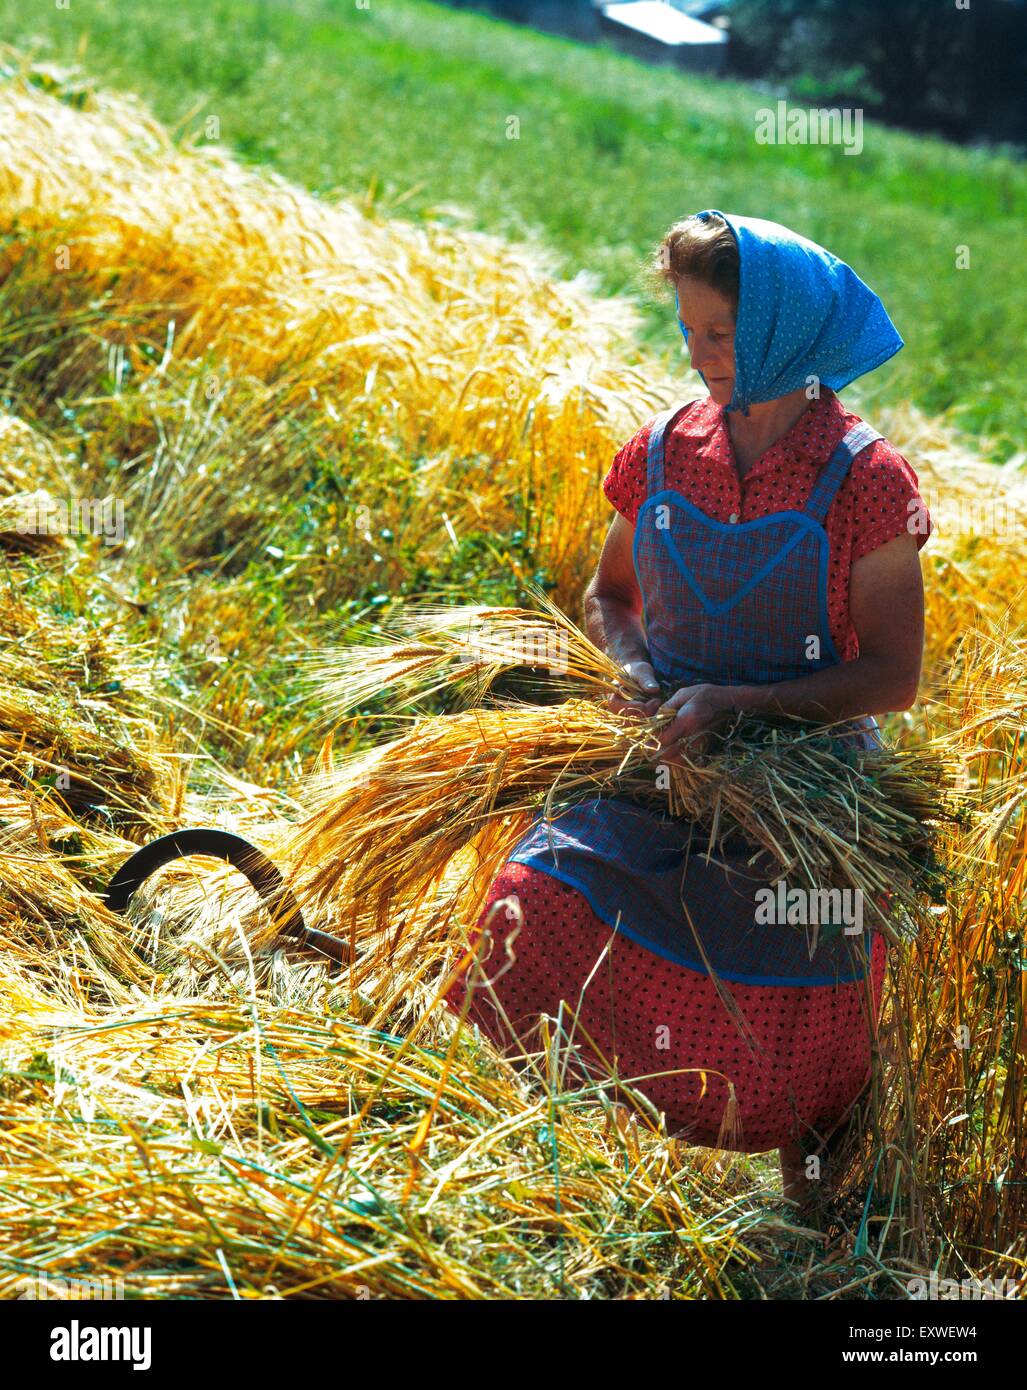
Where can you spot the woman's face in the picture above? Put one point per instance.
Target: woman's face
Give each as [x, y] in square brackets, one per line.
[710, 321]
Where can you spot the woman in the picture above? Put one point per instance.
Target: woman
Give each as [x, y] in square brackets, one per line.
[764, 558]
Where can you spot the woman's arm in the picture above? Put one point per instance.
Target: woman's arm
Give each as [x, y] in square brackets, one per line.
[886, 602]
[613, 612]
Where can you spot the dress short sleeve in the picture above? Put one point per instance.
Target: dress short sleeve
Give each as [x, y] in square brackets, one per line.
[886, 501]
[625, 484]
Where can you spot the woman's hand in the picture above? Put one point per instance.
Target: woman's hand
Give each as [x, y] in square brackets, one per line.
[700, 709]
[643, 674]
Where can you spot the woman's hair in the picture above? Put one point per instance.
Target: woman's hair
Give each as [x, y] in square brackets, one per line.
[702, 248]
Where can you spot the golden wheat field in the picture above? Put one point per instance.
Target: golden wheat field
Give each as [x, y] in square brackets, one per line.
[192, 1105]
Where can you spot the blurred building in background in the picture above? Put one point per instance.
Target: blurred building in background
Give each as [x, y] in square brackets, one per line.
[578, 19]
[929, 65]
[665, 33]
[654, 30]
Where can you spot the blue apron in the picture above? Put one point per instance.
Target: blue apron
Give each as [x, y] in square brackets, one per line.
[740, 603]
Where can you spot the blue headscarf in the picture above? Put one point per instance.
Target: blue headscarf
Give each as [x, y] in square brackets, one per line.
[801, 313]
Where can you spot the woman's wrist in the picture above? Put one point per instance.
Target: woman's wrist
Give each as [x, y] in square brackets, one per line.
[835, 693]
[615, 629]
[745, 699]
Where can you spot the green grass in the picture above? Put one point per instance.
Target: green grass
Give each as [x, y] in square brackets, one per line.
[407, 103]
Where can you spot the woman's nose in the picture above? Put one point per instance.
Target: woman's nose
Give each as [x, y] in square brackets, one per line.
[699, 352]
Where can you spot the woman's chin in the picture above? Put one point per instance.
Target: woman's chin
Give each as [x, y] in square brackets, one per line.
[720, 391]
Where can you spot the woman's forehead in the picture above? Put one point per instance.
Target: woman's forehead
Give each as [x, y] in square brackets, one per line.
[698, 298]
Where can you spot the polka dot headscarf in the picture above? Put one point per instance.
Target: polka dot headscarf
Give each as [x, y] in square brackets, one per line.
[801, 313]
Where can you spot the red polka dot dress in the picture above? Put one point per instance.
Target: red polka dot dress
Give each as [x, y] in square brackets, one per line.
[788, 1059]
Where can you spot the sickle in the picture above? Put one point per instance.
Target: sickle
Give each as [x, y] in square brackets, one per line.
[252, 862]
